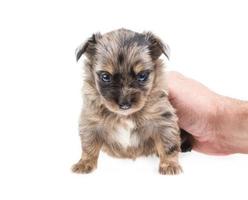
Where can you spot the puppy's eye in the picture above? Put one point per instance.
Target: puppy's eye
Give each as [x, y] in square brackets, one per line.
[142, 76]
[105, 77]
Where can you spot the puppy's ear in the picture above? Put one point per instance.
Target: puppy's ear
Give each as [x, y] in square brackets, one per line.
[88, 47]
[156, 46]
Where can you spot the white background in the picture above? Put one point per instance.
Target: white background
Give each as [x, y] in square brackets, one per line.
[40, 100]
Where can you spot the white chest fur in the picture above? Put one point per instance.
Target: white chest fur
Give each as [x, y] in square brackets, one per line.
[125, 136]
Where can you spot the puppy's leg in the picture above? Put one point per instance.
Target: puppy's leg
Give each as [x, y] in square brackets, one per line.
[91, 145]
[167, 142]
[187, 141]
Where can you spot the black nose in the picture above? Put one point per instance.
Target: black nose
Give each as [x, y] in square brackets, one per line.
[125, 105]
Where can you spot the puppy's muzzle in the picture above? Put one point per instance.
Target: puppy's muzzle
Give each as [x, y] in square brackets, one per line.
[124, 104]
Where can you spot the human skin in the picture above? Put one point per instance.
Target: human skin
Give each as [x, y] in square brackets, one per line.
[218, 124]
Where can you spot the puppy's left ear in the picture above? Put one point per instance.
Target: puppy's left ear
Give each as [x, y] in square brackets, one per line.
[88, 47]
[156, 46]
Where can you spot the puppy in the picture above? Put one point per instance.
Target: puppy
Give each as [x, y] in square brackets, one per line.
[126, 109]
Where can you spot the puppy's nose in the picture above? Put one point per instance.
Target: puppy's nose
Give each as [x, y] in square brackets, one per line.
[125, 105]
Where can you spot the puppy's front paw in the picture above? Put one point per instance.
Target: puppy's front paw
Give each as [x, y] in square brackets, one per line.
[83, 167]
[171, 168]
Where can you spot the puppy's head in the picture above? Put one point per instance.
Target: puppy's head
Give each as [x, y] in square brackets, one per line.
[123, 66]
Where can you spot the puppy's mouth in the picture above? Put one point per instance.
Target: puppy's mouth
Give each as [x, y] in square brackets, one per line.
[124, 108]
[126, 112]
[125, 105]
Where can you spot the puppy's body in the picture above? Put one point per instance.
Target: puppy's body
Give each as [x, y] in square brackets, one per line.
[126, 111]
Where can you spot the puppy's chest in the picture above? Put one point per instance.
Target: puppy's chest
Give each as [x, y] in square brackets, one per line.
[125, 134]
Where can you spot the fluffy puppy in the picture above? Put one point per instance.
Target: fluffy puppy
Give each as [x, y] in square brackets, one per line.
[126, 110]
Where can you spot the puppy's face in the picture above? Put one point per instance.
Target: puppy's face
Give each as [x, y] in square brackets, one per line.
[124, 80]
[123, 66]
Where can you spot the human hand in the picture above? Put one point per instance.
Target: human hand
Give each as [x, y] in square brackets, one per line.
[213, 120]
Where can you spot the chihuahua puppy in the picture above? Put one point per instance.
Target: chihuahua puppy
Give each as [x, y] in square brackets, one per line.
[126, 109]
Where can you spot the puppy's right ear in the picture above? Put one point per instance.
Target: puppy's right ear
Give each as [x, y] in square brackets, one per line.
[88, 47]
[157, 47]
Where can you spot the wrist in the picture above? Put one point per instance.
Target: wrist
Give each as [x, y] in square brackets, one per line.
[232, 132]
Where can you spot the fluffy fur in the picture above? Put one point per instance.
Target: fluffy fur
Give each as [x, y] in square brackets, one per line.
[148, 125]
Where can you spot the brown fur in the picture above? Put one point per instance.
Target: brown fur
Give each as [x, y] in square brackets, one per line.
[152, 116]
